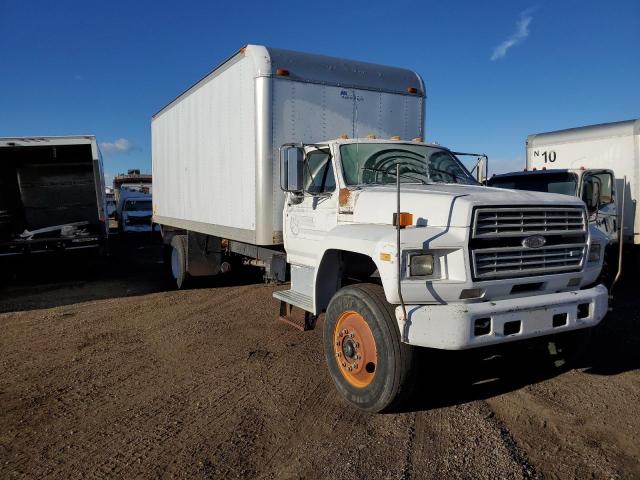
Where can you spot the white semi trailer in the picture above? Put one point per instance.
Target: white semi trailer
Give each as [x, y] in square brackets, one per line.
[288, 159]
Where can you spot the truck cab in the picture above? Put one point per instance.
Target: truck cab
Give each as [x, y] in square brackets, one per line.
[463, 265]
[596, 187]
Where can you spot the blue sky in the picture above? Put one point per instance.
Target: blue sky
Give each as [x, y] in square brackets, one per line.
[495, 71]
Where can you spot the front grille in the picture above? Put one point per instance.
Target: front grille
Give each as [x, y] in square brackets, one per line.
[497, 247]
[515, 222]
[505, 262]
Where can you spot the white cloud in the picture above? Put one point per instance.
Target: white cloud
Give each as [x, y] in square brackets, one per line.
[522, 32]
[119, 145]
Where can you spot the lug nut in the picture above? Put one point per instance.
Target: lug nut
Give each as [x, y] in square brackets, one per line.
[358, 357]
[344, 364]
[355, 365]
[357, 345]
[350, 368]
[338, 354]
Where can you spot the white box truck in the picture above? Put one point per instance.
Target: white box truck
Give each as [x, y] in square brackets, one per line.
[52, 196]
[318, 163]
[589, 162]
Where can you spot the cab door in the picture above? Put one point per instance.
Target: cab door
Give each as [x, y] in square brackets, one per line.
[311, 215]
[598, 193]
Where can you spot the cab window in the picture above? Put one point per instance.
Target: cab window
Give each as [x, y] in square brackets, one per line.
[318, 175]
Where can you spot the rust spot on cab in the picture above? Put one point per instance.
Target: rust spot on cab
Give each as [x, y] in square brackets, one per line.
[343, 197]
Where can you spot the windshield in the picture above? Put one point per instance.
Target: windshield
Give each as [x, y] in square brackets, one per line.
[561, 182]
[138, 205]
[375, 163]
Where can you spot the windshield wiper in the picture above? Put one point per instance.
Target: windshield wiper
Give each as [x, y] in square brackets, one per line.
[394, 174]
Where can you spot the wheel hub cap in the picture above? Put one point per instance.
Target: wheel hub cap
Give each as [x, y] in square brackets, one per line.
[355, 349]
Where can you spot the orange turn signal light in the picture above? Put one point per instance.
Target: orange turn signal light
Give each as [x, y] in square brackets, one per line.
[412, 90]
[406, 219]
[395, 137]
[282, 72]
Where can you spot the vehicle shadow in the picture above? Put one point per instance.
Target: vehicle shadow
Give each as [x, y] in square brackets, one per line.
[454, 378]
[133, 267]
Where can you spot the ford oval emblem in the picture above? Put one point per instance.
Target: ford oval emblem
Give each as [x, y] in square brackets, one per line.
[534, 241]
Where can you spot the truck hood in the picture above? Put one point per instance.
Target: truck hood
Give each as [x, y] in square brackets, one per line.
[442, 205]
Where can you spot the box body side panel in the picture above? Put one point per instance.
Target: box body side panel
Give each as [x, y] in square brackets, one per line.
[203, 150]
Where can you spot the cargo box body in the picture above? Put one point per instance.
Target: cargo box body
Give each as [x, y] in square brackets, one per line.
[215, 147]
[610, 146]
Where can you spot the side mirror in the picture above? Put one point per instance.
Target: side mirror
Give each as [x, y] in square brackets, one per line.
[591, 194]
[291, 168]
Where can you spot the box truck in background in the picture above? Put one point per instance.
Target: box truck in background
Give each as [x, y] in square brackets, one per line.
[134, 210]
[599, 164]
[599, 158]
[52, 195]
[285, 158]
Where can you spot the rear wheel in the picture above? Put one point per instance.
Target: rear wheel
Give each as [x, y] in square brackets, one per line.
[368, 363]
[177, 260]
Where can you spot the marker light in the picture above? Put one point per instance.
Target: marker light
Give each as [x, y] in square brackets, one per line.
[412, 90]
[371, 136]
[417, 139]
[406, 219]
[282, 72]
[344, 136]
[395, 137]
[385, 257]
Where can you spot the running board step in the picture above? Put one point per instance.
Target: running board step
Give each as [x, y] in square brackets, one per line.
[296, 299]
[288, 300]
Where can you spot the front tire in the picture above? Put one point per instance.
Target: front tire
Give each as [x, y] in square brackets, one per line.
[367, 361]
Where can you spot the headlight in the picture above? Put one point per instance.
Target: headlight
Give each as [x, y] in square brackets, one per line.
[421, 265]
[594, 252]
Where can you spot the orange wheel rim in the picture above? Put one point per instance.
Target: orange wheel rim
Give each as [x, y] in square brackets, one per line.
[355, 349]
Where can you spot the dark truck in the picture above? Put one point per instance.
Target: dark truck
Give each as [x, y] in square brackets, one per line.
[52, 196]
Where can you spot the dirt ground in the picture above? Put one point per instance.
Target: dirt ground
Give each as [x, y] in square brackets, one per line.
[105, 372]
